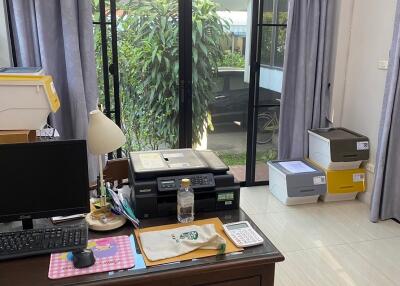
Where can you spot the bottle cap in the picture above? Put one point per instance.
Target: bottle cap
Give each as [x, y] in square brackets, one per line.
[185, 183]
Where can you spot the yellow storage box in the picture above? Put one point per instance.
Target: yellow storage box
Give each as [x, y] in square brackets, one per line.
[343, 184]
[26, 101]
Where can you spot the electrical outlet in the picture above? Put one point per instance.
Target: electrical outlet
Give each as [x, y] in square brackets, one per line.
[383, 64]
[370, 168]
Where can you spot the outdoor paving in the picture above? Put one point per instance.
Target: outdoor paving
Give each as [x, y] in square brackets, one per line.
[232, 142]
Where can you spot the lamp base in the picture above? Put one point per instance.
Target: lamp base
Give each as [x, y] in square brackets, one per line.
[104, 220]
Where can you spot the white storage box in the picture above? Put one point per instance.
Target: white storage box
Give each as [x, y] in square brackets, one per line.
[337, 148]
[21, 71]
[296, 181]
[26, 101]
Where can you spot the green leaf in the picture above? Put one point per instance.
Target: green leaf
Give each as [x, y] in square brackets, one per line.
[163, 22]
[203, 48]
[194, 38]
[153, 54]
[195, 55]
[199, 26]
[176, 67]
[167, 63]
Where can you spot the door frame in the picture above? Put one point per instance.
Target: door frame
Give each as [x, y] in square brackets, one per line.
[254, 86]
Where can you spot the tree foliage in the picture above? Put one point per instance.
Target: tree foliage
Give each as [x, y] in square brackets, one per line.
[148, 50]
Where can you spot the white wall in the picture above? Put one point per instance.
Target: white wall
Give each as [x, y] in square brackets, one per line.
[363, 37]
[4, 42]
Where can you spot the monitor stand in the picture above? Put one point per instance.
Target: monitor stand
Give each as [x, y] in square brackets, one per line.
[27, 223]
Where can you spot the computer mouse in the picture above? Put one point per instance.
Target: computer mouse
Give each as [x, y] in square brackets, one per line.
[83, 258]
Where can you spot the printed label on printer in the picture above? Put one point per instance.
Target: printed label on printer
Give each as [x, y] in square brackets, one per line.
[362, 145]
[319, 180]
[359, 177]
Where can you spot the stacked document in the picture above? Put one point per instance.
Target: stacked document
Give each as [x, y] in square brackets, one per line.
[121, 206]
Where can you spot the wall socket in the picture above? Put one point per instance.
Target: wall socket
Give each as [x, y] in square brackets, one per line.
[370, 168]
[383, 64]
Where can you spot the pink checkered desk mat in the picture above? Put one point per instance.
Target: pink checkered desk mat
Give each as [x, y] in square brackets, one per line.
[111, 253]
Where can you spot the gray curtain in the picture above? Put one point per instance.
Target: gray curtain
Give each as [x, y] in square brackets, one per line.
[305, 92]
[385, 202]
[58, 35]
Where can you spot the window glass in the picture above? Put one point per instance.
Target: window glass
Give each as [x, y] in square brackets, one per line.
[268, 12]
[282, 12]
[279, 46]
[219, 85]
[266, 46]
[237, 82]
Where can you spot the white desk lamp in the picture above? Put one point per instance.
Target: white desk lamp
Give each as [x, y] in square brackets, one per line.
[104, 136]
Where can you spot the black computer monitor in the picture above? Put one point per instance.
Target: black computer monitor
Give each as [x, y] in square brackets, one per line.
[43, 179]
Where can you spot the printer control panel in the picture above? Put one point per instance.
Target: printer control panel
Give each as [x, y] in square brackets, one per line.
[198, 181]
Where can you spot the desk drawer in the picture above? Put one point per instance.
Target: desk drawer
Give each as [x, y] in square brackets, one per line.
[252, 281]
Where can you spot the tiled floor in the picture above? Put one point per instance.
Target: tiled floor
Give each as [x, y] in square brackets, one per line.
[326, 243]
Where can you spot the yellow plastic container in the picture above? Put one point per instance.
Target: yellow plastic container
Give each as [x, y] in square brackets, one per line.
[343, 184]
[26, 101]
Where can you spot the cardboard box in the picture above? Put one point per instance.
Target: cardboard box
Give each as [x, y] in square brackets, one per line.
[18, 136]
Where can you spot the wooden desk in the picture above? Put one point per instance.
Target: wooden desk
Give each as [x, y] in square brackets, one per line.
[254, 266]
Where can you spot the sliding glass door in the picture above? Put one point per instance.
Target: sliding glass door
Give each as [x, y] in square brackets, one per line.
[220, 90]
[194, 73]
[268, 44]
[137, 54]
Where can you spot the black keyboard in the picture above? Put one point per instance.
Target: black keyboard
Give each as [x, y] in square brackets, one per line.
[42, 241]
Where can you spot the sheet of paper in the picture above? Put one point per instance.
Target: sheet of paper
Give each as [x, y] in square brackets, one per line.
[151, 160]
[173, 155]
[199, 253]
[296, 167]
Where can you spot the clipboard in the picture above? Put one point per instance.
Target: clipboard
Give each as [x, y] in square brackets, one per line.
[199, 253]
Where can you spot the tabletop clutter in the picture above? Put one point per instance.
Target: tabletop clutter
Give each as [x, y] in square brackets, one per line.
[189, 239]
[158, 245]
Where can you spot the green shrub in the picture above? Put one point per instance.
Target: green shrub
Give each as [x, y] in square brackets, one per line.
[148, 53]
[230, 59]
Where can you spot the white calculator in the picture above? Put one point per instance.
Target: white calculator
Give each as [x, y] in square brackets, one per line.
[242, 234]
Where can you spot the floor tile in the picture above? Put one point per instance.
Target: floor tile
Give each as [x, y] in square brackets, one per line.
[336, 265]
[326, 243]
[350, 221]
[256, 200]
[383, 254]
[291, 231]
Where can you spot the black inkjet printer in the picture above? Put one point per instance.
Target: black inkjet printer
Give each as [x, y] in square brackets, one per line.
[155, 177]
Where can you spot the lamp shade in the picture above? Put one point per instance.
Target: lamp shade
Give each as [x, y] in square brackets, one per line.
[104, 135]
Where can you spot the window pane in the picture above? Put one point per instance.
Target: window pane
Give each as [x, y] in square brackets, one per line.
[268, 12]
[148, 68]
[99, 64]
[267, 140]
[220, 118]
[282, 11]
[280, 46]
[96, 10]
[266, 46]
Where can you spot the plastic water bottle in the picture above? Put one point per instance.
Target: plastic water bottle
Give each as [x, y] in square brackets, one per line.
[185, 202]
